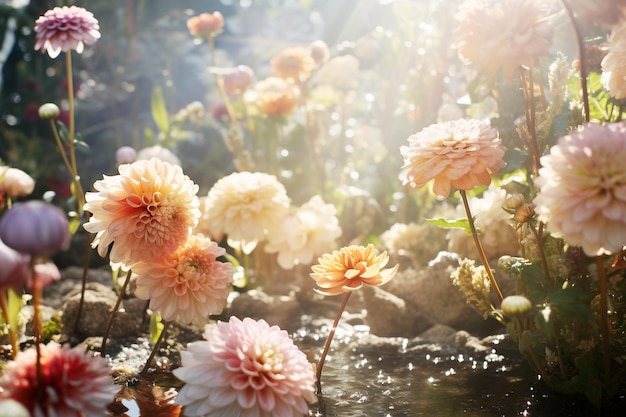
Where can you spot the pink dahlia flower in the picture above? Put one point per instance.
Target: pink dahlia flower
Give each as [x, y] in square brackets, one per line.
[460, 154]
[75, 383]
[206, 25]
[582, 188]
[245, 368]
[188, 285]
[65, 28]
[147, 211]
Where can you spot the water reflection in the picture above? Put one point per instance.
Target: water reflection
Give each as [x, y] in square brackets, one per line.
[365, 376]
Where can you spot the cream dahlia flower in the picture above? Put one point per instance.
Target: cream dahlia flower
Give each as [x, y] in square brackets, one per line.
[614, 63]
[245, 368]
[65, 28]
[582, 188]
[146, 211]
[460, 154]
[245, 206]
[308, 231]
[187, 285]
[75, 383]
[341, 72]
[517, 33]
[348, 268]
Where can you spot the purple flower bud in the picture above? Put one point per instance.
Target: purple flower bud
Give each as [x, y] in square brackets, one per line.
[14, 269]
[36, 228]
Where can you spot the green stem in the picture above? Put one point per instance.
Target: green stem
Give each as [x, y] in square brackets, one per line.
[320, 364]
[37, 329]
[114, 312]
[156, 347]
[479, 246]
[604, 318]
[7, 319]
[581, 58]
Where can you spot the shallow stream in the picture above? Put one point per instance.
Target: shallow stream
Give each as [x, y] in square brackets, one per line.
[367, 376]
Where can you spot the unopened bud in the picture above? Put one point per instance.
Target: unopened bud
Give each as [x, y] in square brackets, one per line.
[514, 202]
[49, 111]
[524, 213]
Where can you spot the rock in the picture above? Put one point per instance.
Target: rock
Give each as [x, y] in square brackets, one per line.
[283, 311]
[98, 304]
[431, 293]
[389, 315]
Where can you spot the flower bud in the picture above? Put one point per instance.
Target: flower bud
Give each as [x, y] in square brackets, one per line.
[514, 202]
[14, 270]
[49, 111]
[515, 305]
[524, 213]
[36, 228]
[125, 155]
[15, 182]
[238, 79]
[319, 52]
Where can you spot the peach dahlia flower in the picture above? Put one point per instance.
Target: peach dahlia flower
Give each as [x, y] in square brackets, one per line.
[503, 35]
[294, 63]
[245, 206]
[582, 188]
[348, 268]
[65, 28]
[146, 211]
[75, 383]
[188, 285]
[273, 96]
[308, 231]
[460, 154]
[245, 368]
[206, 25]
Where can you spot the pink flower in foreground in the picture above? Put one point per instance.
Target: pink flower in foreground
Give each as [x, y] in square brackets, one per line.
[147, 211]
[188, 285]
[582, 188]
[347, 269]
[245, 368]
[65, 28]
[75, 383]
[460, 154]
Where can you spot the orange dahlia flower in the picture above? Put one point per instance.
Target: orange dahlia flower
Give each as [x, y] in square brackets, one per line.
[459, 154]
[348, 268]
[147, 211]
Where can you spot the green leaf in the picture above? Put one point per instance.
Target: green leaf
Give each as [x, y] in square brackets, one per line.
[15, 304]
[452, 224]
[573, 303]
[156, 327]
[159, 111]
